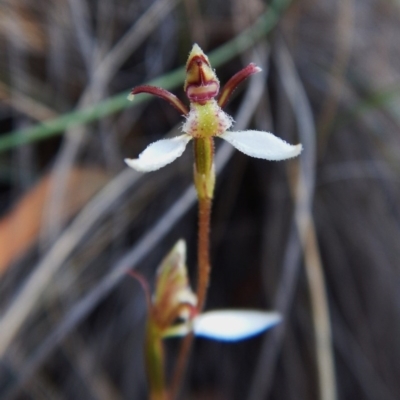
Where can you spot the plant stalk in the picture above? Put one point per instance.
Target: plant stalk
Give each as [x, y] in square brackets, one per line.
[203, 251]
[204, 268]
[154, 355]
[204, 179]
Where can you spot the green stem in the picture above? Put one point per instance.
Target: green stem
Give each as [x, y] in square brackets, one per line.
[154, 358]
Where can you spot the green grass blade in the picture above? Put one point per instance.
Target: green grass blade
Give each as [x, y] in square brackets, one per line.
[168, 81]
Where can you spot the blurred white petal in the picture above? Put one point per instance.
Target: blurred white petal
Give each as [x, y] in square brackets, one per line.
[261, 144]
[159, 154]
[233, 325]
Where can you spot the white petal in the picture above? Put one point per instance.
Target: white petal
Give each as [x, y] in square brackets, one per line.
[159, 154]
[261, 144]
[233, 325]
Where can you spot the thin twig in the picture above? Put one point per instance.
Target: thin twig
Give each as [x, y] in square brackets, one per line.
[305, 225]
[25, 104]
[80, 18]
[342, 49]
[303, 196]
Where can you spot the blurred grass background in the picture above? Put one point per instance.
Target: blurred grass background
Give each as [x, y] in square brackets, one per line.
[74, 218]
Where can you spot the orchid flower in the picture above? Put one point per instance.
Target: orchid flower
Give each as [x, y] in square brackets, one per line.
[173, 311]
[206, 120]
[173, 307]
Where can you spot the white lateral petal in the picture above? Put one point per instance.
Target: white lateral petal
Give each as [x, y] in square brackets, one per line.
[159, 154]
[233, 325]
[260, 144]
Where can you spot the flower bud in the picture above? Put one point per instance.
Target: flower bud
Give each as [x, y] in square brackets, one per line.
[173, 297]
[201, 83]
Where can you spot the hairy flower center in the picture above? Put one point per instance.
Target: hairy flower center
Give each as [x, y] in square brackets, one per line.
[206, 120]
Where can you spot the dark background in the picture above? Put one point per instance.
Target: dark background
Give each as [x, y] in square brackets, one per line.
[72, 212]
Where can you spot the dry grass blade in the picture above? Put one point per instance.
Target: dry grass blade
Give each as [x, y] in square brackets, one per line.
[303, 191]
[25, 104]
[101, 77]
[129, 42]
[20, 228]
[344, 28]
[80, 18]
[29, 296]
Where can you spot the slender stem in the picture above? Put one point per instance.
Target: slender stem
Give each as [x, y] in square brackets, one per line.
[203, 251]
[204, 268]
[154, 349]
[204, 178]
[180, 367]
[154, 356]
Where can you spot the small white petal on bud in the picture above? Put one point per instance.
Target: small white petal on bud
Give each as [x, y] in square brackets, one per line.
[233, 325]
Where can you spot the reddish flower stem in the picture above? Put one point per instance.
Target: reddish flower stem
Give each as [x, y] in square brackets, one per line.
[204, 268]
[180, 367]
[203, 255]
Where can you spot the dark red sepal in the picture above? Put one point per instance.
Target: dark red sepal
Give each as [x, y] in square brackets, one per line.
[164, 94]
[236, 79]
